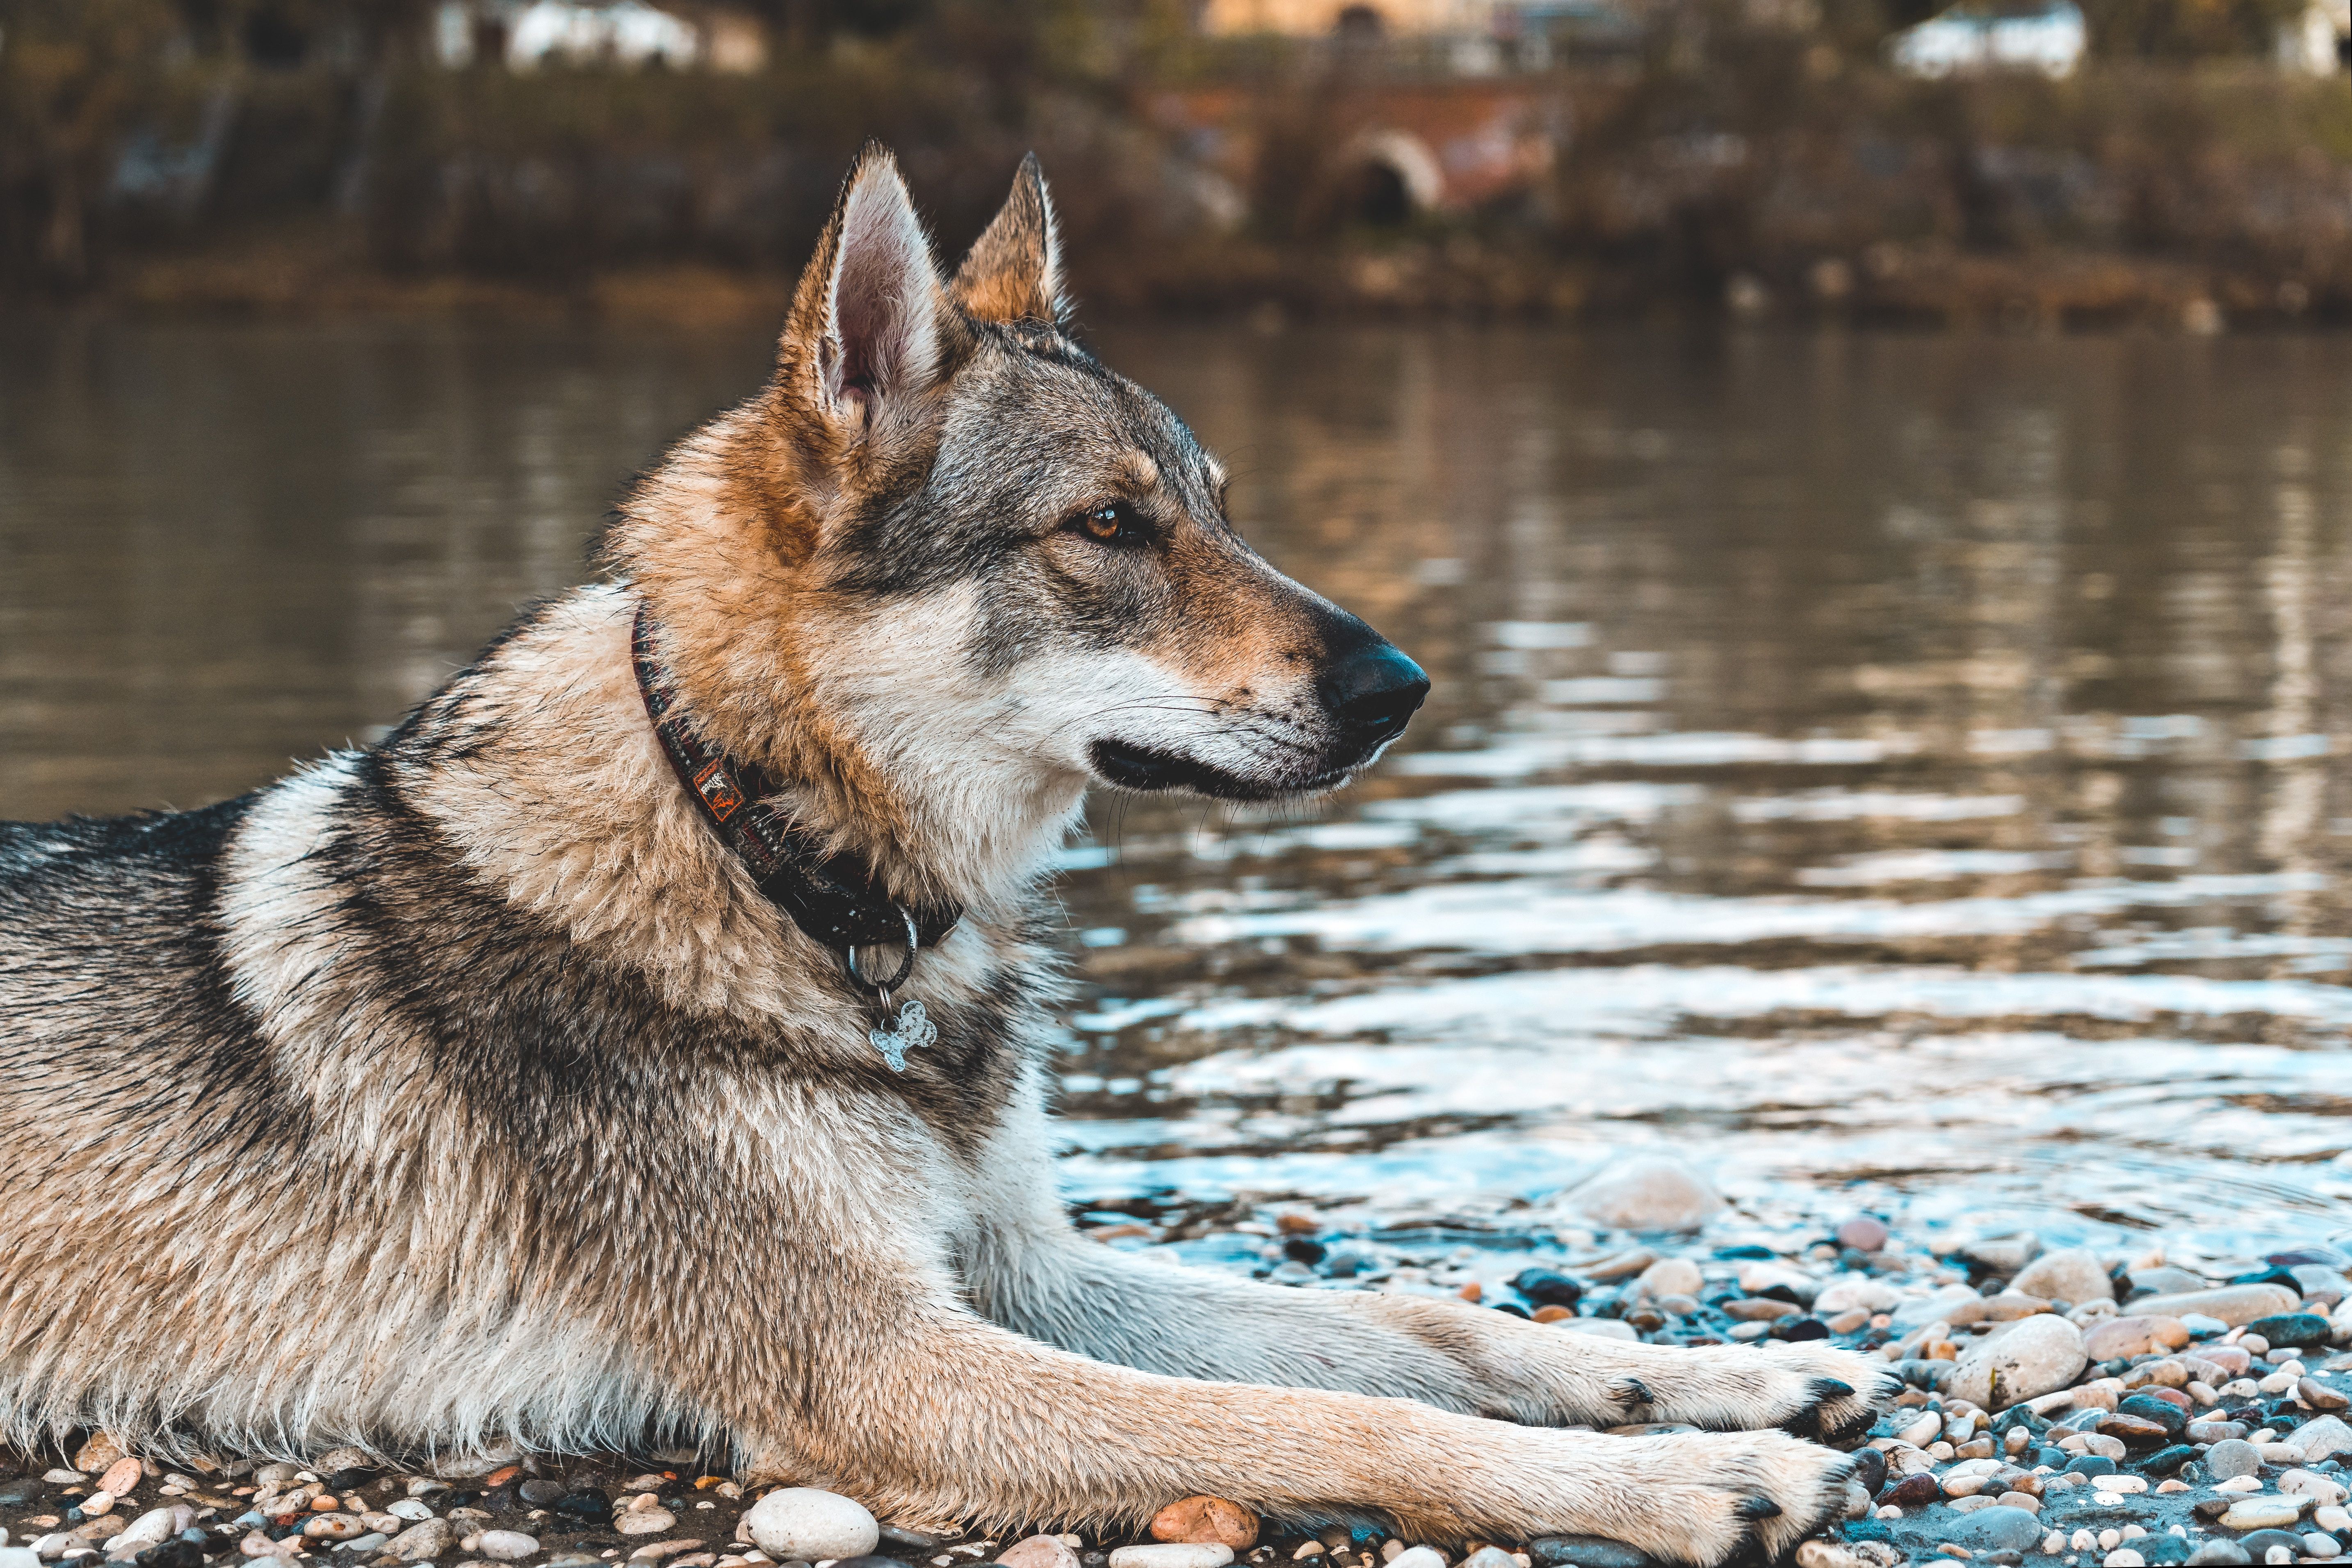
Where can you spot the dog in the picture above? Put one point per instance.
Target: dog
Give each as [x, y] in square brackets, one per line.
[652, 1033]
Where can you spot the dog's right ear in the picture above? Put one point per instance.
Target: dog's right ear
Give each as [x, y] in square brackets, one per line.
[1014, 270]
[863, 334]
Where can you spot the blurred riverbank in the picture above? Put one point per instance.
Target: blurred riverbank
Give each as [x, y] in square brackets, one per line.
[1785, 185]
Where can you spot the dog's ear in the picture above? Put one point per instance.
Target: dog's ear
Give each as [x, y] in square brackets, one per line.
[1014, 270]
[866, 321]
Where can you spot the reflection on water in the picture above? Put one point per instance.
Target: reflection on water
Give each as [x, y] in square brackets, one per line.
[1886, 770]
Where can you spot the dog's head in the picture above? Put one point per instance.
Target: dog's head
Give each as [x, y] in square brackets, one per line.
[977, 558]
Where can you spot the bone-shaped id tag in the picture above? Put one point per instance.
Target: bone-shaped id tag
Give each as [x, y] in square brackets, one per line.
[911, 1031]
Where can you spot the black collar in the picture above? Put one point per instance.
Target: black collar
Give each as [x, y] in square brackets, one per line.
[833, 898]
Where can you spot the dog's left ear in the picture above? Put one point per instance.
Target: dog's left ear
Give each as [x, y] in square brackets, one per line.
[1014, 270]
[865, 325]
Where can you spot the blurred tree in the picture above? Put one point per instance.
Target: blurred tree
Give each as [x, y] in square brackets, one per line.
[72, 72]
[2183, 29]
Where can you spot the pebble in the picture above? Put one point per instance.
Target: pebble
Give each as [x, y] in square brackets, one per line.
[651, 1522]
[806, 1524]
[1490, 1557]
[2003, 1253]
[1863, 1233]
[419, 1543]
[1644, 1193]
[1196, 1520]
[97, 1454]
[1937, 1305]
[1602, 1328]
[2324, 1490]
[334, 1527]
[2220, 1554]
[1578, 1551]
[2291, 1328]
[1670, 1277]
[505, 1545]
[2000, 1529]
[2263, 1513]
[2323, 1438]
[1213, 1554]
[2136, 1334]
[2320, 1396]
[1548, 1287]
[409, 1508]
[2036, 1355]
[2232, 1304]
[150, 1529]
[120, 1478]
[540, 1493]
[1039, 1551]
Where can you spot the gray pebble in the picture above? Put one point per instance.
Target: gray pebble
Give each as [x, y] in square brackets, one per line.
[1584, 1551]
[540, 1492]
[2000, 1529]
[2220, 1554]
[2232, 1456]
[362, 1546]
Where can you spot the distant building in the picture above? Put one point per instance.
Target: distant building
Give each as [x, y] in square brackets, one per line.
[1312, 18]
[524, 35]
[2319, 41]
[2048, 38]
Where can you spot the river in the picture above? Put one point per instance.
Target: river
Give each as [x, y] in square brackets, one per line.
[1888, 772]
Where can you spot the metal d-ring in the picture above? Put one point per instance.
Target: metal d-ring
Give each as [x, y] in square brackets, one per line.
[906, 964]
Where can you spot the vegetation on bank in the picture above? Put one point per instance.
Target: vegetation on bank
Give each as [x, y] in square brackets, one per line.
[150, 155]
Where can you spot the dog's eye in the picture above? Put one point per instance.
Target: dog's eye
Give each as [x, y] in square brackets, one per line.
[1114, 522]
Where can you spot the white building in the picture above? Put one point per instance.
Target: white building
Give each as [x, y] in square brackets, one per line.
[524, 35]
[2316, 42]
[2049, 38]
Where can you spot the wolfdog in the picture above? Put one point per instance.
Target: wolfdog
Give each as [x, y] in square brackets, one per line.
[652, 1033]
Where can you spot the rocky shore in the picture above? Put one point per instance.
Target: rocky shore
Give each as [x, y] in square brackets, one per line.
[2067, 1405]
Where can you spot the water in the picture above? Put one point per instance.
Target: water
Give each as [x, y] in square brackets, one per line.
[1888, 772]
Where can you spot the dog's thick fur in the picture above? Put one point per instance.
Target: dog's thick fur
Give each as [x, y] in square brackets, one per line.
[466, 1089]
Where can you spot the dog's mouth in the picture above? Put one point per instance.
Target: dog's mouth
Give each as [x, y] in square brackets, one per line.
[1152, 769]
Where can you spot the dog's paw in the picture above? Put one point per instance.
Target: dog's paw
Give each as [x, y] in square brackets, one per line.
[1842, 1393]
[1732, 1497]
[1811, 1390]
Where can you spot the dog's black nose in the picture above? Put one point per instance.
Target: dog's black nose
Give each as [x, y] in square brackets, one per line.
[1376, 689]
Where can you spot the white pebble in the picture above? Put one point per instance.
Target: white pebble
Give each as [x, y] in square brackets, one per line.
[2110, 1539]
[2124, 1557]
[1213, 1554]
[409, 1508]
[2319, 1545]
[809, 1524]
[2053, 1543]
[506, 1545]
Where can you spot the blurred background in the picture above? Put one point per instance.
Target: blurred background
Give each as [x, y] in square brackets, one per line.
[1871, 485]
[2064, 161]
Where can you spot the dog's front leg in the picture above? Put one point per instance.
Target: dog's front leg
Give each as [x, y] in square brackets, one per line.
[925, 1412]
[1041, 1278]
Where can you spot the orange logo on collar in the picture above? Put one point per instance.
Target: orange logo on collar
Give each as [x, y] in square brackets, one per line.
[718, 788]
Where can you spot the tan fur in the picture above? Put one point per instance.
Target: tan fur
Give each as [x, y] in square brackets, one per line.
[322, 1206]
